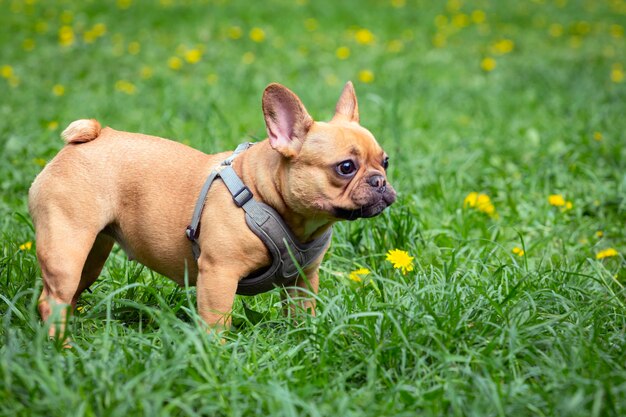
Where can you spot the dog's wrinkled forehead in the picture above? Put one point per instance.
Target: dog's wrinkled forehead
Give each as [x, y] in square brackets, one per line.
[343, 139]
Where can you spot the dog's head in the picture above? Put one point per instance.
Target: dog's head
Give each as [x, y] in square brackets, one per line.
[335, 169]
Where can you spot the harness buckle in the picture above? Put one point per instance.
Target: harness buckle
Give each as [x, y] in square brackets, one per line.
[242, 196]
[190, 233]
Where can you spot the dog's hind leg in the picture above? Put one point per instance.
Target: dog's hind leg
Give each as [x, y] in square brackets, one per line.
[71, 256]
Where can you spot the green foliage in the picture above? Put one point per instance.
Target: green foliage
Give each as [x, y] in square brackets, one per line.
[475, 329]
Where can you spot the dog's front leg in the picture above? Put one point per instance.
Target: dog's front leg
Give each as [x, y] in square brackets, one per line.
[299, 299]
[216, 288]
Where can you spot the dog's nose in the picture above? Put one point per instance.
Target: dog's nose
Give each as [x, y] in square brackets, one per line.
[377, 181]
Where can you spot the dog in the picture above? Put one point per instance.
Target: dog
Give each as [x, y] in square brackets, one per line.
[141, 191]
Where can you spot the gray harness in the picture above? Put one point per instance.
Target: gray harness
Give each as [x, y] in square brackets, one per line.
[267, 224]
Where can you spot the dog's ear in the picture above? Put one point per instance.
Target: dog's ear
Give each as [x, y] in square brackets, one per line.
[286, 119]
[347, 107]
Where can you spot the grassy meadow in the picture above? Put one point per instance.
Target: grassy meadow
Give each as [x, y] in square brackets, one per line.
[505, 122]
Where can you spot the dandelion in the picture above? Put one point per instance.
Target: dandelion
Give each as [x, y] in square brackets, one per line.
[441, 21]
[599, 234]
[175, 63]
[67, 16]
[597, 136]
[400, 260]
[234, 32]
[364, 37]
[40, 161]
[460, 20]
[556, 200]
[58, 90]
[26, 245]
[134, 48]
[617, 73]
[53, 125]
[146, 72]
[502, 47]
[28, 45]
[555, 30]
[66, 36]
[357, 275]
[6, 71]
[439, 40]
[616, 31]
[311, 24]
[518, 251]
[343, 52]
[248, 58]
[125, 87]
[478, 17]
[480, 202]
[257, 34]
[124, 4]
[366, 76]
[193, 56]
[395, 46]
[606, 253]
[398, 3]
[488, 64]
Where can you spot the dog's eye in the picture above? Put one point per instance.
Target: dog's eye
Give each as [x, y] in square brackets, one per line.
[386, 163]
[346, 168]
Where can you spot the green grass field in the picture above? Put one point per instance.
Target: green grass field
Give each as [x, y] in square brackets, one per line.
[515, 305]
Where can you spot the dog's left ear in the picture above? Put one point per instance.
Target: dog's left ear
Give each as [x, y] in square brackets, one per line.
[347, 107]
[286, 119]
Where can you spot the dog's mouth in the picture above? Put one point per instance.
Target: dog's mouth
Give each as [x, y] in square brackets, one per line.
[368, 210]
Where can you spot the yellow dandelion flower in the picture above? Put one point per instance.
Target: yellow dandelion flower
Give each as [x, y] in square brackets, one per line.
[568, 206]
[234, 32]
[124, 4]
[617, 73]
[67, 16]
[193, 56]
[175, 63]
[454, 5]
[6, 71]
[99, 29]
[398, 3]
[366, 76]
[364, 37]
[248, 58]
[439, 40]
[502, 47]
[134, 48]
[53, 125]
[617, 31]
[395, 46]
[28, 44]
[357, 275]
[441, 21]
[26, 246]
[40, 161]
[66, 35]
[125, 87]
[606, 253]
[599, 234]
[555, 30]
[480, 202]
[478, 17]
[597, 136]
[400, 260]
[311, 24]
[518, 251]
[488, 64]
[556, 200]
[58, 90]
[146, 72]
[460, 20]
[257, 34]
[343, 52]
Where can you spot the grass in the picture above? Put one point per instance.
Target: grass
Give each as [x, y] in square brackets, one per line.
[473, 330]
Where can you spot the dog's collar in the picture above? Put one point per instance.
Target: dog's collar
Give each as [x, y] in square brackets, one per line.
[288, 254]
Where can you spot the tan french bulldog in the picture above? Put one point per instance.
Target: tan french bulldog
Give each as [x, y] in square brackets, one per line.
[108, 186]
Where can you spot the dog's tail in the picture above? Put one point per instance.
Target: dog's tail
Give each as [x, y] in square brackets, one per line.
[83, 130]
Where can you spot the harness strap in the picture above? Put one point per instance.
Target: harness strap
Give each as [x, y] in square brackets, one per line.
[193, 230]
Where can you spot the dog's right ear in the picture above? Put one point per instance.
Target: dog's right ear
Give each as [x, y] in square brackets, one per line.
[286, 119]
